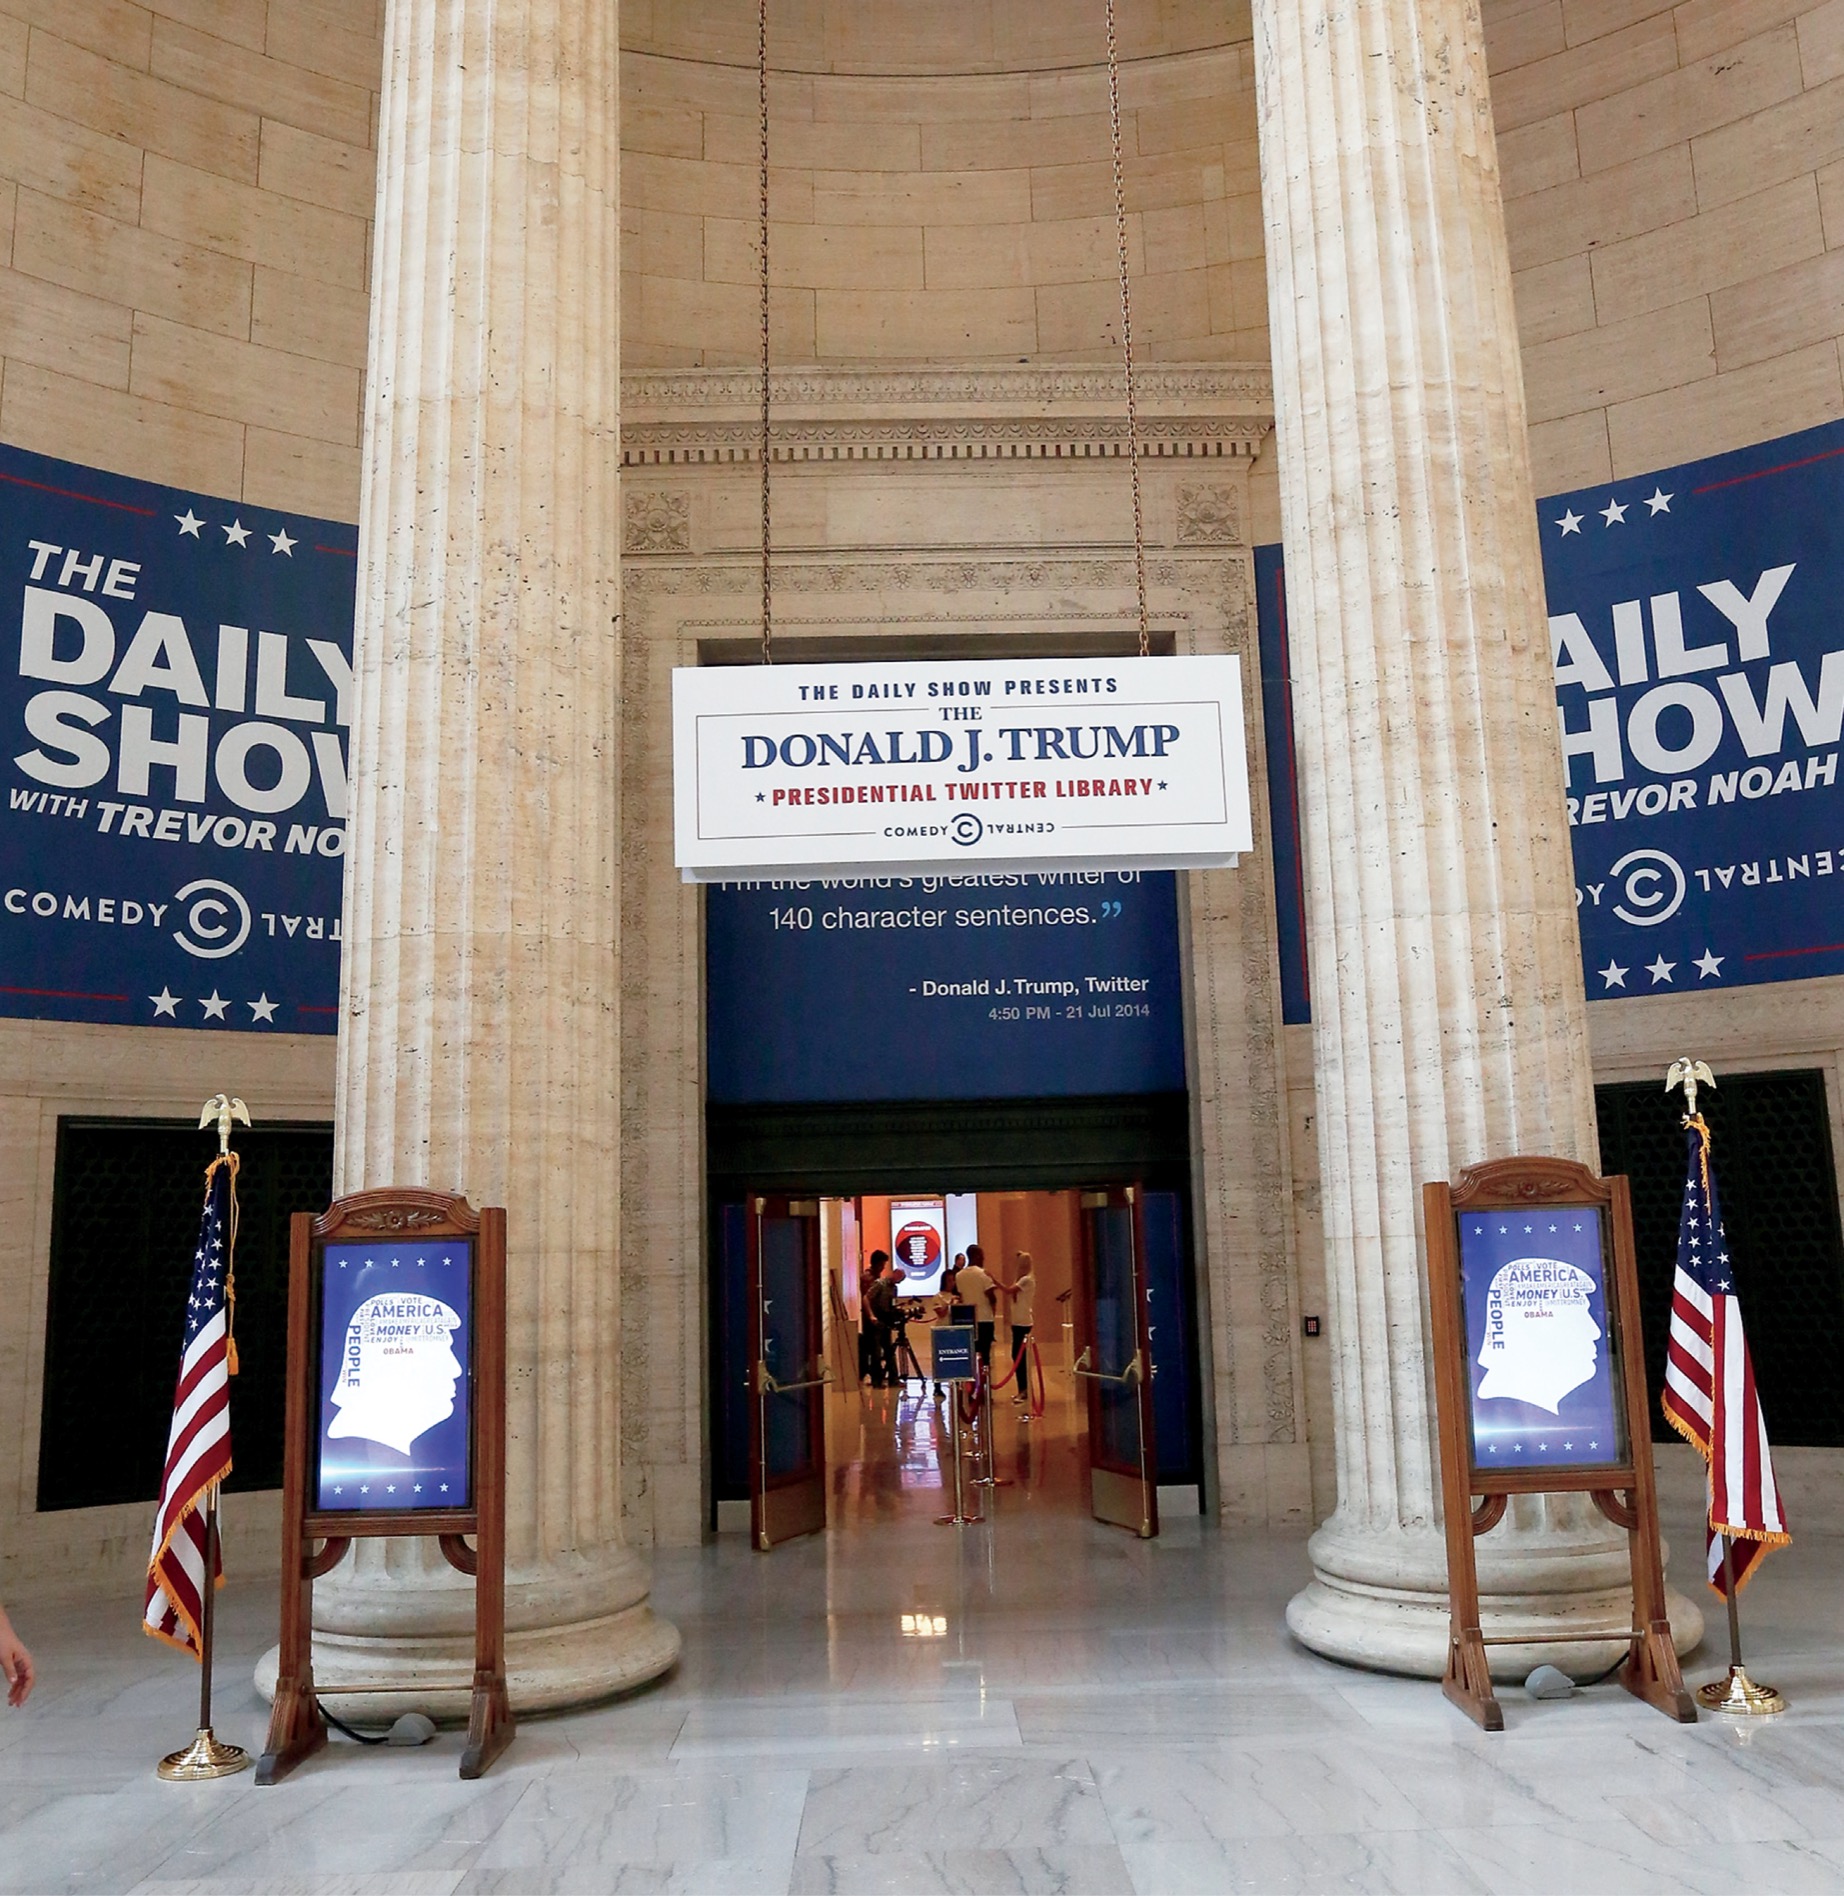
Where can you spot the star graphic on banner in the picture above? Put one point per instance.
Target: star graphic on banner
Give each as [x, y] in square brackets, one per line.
[165, 1002]
[1527, 1230]
[1502, 1229]
[1570, 523]
[1613, 975]
[263, 1008]
[1163, 786]
[339, 1491]
[390, 1487]
[283, 544]
[236, 534]
[416, 1487]
[1614, 513]
[1659, 501]
[1660, 970]
[1578, 1227]
[189, 523]
[760, 798]
[364, 1488]
[444, 1487]
[1708, 964]
[1568, 1445]
[215, 1006]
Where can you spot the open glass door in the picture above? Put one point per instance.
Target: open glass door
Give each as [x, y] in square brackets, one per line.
[787, 1375]
[1114, 1360]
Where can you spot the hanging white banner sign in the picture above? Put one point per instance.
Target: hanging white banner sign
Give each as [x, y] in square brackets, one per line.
[962, 767]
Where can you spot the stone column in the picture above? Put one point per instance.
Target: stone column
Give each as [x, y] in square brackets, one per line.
[1449, 1019]
[478, 1045]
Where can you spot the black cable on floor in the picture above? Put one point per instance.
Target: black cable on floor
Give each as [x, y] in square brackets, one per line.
[339, 1724]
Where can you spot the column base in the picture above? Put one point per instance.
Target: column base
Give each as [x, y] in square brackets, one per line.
[408, 1627]
[1379, 1601]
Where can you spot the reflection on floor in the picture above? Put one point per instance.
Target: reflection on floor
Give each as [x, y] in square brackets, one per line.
[1037, 1704]
[888, 1453]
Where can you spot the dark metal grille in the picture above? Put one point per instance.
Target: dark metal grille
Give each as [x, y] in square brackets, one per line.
[125, 1218]
[1771, 1137]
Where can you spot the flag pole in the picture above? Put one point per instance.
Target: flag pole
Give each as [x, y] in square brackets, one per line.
[206, 1756]
[1736, 1693]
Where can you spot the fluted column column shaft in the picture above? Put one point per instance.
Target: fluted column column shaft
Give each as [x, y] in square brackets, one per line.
[479, 1035]
[1449, 1016]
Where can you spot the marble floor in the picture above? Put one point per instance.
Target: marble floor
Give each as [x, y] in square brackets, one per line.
[1036, 1704]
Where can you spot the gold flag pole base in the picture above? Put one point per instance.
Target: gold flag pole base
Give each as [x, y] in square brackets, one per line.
[204, 1757]
[1739, 1696]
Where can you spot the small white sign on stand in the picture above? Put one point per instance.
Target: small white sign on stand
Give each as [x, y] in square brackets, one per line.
[966, 767]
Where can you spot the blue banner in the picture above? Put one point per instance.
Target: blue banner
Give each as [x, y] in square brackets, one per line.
[1283, 783]
[1699, 658]
[944, 987]
[175, 697]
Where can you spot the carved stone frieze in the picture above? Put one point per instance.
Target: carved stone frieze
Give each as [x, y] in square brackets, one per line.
[656, 521]
[709, 418]
[1209, 514]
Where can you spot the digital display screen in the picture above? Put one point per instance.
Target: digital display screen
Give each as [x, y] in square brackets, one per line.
[919, 1244]
[395, 1375]
[1542, 1362]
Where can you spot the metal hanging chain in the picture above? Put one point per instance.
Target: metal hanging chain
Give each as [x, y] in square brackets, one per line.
[1126, 332]
[768, 632]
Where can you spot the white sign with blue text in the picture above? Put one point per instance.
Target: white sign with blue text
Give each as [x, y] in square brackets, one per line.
[958, 766]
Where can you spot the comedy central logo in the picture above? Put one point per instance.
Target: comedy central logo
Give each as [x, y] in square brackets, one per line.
[1651, 887]
[966, 829]
[215, 919]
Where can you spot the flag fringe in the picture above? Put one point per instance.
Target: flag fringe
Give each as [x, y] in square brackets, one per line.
[194, 1644]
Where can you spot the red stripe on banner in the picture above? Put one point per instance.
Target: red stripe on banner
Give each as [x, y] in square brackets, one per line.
[70, 493]
[62, 994]
[1785, 467]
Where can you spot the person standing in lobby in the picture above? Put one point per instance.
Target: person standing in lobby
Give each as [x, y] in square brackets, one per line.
[880, 1320]
[977, 1288]
[1020, 1298]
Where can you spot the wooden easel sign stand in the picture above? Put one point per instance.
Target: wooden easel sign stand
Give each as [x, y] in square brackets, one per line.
[1540, 1389]
[395, 1425]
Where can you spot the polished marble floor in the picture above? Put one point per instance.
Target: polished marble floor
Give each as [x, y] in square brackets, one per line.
[1067, 1709]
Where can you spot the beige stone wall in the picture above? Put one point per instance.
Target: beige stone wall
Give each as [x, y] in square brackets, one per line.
[1013, 531]
[922, 213]
[185, 206]
[1674, 177]
[49, 1070]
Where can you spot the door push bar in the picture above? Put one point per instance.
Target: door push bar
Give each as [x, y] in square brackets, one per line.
[767, 1385]
[1132, 1373]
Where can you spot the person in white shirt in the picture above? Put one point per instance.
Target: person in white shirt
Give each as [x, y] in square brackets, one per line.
[1020, 1297]
[977, 1288]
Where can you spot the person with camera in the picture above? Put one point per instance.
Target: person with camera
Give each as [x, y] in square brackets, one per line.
[880, 1315]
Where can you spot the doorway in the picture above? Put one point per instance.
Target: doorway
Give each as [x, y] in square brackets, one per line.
[1093, 1403]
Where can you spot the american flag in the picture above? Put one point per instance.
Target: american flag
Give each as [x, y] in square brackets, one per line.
[198, 1449]
[1709, 1382]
